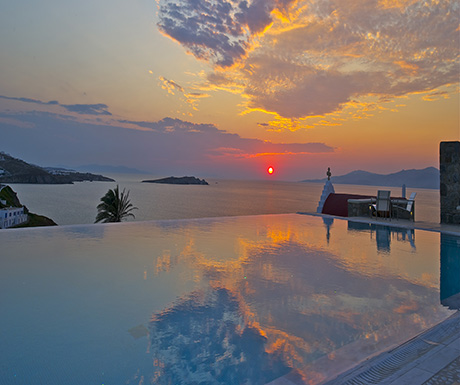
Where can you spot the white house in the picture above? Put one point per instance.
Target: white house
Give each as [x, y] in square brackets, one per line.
[12, 216]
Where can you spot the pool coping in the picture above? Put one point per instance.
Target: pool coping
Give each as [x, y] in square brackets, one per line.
[401, 223]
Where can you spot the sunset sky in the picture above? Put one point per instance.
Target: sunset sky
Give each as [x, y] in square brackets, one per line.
[228, 88]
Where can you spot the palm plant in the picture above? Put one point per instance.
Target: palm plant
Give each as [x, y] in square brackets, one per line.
[114, 206]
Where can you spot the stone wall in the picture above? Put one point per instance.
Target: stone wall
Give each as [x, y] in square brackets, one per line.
[449, 166]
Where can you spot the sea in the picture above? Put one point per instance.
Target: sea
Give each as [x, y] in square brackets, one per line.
[75, 204]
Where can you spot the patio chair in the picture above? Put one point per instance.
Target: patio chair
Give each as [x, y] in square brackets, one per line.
[409, 208]
[383, 204]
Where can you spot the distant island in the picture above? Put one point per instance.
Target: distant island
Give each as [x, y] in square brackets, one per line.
[178, 180]
[13, 170]
[424, 178]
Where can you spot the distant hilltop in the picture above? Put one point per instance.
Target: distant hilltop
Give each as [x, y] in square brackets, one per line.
[99, 168]
[178, 180]
[425, 178]
[13, 170]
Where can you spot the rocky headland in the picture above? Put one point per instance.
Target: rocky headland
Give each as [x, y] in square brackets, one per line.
[178, 180]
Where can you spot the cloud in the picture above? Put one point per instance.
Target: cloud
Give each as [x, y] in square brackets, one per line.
[320, 55]
[168, 125]
[217, 30]
[355, 48]
[15, 122]
[218, 142]
[170, 86]
[191, 98]
[269, 149]
[436, 95]
[85, 109]
[165, 147]
[300, 90]
[29, 100]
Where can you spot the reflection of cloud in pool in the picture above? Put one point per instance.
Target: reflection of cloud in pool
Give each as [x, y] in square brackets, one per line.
[85, 231]
[205, 338]
[310, 295]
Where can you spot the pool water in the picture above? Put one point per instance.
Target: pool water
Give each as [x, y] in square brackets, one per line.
[236, 300]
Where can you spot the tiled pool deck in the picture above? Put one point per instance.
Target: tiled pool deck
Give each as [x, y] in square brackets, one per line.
[432, 358]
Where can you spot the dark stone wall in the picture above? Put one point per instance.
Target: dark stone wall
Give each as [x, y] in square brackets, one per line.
[449, 189]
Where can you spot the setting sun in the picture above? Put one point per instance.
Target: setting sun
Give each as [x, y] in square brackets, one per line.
[270, 170]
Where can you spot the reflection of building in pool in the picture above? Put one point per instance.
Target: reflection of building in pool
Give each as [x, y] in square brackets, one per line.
[328, 222]
[450, 258]
[205, 338]
[450, 271]
[384, 234]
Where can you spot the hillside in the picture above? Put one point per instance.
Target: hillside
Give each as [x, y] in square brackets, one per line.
[8, 198]
[424, 178]
[13, 170]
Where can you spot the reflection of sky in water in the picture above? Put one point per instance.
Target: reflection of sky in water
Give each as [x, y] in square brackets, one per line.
[213, 300]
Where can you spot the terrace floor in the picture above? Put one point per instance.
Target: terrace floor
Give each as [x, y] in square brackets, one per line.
[432, 358]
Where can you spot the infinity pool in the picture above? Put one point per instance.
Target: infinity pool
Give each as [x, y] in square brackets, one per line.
[237, 300]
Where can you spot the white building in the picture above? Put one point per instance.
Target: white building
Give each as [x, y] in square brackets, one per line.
[12, 216]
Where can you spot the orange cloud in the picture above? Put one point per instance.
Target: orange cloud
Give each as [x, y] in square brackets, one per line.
[409, 67]
[191, 98]
[331, 53]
